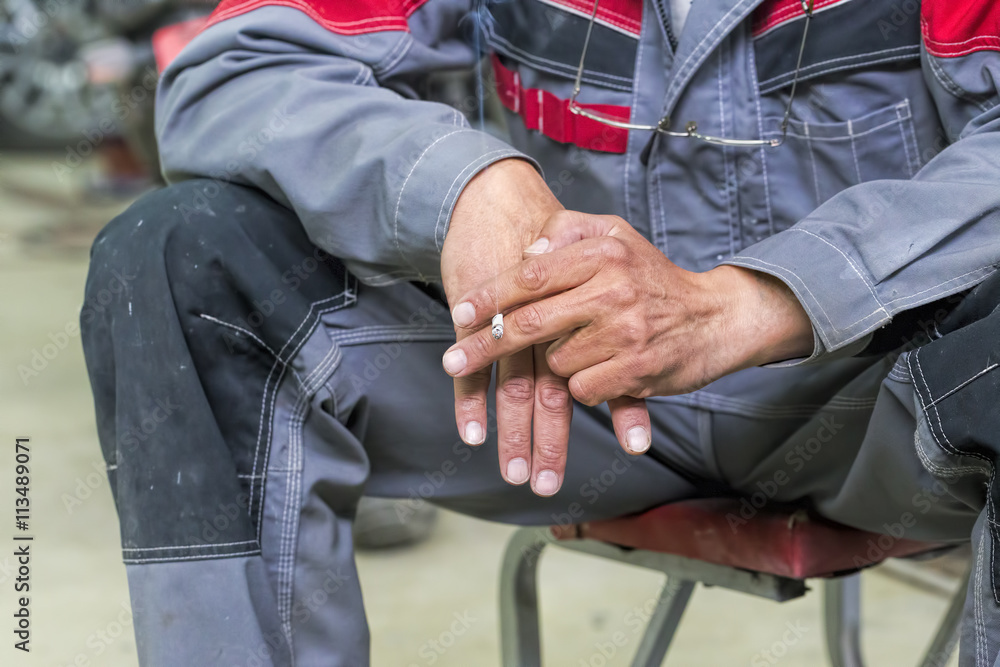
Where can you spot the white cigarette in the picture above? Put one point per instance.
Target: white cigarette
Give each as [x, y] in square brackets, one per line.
[498, 326]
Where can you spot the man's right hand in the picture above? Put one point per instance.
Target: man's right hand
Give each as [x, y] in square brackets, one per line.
[499, 214]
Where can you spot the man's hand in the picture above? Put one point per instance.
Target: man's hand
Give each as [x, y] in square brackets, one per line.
[499, 213]
[625, 320]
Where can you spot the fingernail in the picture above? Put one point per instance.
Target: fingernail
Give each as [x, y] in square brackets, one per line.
[538, 246]
[547, 483]
[637, 440]
[474, 433]
[454, 361]
[517, 471]
[464, 314]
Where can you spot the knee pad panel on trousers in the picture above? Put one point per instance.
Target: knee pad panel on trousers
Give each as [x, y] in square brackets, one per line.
[184, 351]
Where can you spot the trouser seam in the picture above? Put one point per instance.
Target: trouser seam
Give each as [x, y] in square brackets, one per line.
[242, 330]
[980, 630]
[288, 535]
[171, 559]
[188, 546]
[951, 449]
[348, 296]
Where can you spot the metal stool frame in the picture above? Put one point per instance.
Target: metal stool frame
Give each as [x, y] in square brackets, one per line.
[520, 636]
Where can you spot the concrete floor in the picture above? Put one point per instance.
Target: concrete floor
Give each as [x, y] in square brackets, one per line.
[79, 604]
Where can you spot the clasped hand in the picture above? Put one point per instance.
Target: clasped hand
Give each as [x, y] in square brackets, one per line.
[594, 312]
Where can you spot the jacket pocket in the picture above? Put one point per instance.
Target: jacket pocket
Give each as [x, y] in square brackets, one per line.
[819, 159]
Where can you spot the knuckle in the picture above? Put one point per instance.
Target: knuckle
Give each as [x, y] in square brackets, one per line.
[517, 389]
[528, 319]
[631, 330]
[517, 439]
[479, 347]
[556, 364]
[612, 249]
[553, 397]
[634, 371]
[630, 381]
[532, 276]
[581, 392]
[548, 454]
[471, 403]
[562, 218]
[627, 290]
[485, 300]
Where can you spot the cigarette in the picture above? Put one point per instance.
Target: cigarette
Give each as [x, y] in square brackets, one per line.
[498, 326]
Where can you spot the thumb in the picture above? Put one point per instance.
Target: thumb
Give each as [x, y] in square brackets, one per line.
[565, 227]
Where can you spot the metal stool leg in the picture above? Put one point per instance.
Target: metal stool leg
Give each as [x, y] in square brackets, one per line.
[520, 644]
[663, 624]
[842, 618]
[946, 638]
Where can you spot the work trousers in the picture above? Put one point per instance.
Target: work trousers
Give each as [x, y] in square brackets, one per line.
[249, 390]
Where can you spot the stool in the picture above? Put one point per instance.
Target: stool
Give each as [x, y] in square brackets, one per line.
[769, 555]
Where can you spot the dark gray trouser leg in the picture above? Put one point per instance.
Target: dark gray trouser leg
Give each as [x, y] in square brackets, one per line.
[248, 391]
[862, 472]
[922, 468]
[957, 385]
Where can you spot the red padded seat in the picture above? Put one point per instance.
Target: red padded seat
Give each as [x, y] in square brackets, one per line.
[777, 541]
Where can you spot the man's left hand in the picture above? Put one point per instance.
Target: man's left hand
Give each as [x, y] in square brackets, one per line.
[625, 320]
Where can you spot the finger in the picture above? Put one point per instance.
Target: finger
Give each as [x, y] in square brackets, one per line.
[470, 406]
[536, 278]
[552, 417]
[471, 403]
[529, 325]
[515, 406]
[580, 349]
[566, 227]
[631, 421]
[602, 383]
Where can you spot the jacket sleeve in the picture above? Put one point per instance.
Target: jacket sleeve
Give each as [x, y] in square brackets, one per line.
[884, 247]
[315, 103]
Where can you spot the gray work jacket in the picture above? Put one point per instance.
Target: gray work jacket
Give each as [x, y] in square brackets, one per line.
[884, 196]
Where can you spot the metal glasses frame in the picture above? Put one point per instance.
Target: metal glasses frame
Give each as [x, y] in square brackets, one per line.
[691, 127]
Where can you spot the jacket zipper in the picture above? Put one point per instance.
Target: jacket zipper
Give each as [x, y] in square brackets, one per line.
[664, 15]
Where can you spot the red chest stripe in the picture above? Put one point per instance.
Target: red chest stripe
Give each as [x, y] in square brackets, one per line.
[952, 28]
[353, 17]
[550, 115]
[170, 39]
[773, 13]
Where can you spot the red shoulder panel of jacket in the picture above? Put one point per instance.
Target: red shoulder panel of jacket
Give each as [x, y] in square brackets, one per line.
[954, 29]
[773, 13]
[622, 15]
[170, 39]
[355, 17]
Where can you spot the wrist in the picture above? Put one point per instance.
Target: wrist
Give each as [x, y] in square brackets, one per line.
[765, 321]
[509, 192]
[500, 212]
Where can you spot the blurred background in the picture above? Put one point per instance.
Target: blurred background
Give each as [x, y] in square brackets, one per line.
[77, 81]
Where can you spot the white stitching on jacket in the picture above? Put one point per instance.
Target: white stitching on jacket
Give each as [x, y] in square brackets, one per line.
[402, 189]
[494, 155]
[820, 66]
[755, 86]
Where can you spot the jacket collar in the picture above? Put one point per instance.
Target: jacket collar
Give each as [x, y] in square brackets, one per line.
[709, 22]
